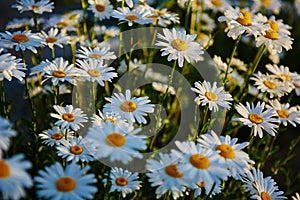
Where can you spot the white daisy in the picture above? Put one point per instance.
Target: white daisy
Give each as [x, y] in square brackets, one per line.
[131, 16]
[22, 40]
[202, 186]
[204, 39]
[69, 117]
[101, 8]
[212, 95]
[97, 53]
[5, 134]
[241, 21]
[13, 177]
[179, 46]
[11, 67]
[275, 24]
[98, 120]
[296, 84]
[124, 181]
[285, 112]
[133, 109]
[119, 142]
[207, 23]
[165, 174]
[222, 66]
[70, 183]
[238, 64]
[76, 149]
[258, 118]
[19, 23]
[296, 196]
[38, 7]
[261, 188]
[55, 135]
[273, 5]
[230, 152]
[53, 37]
[107, 31]
[216, 5]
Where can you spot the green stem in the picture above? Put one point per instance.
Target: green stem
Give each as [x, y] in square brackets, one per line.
[3, 99]
[84, 7]
[170, 81]
[53, 53]
[94, 29]
[35, 21]
[188, 10]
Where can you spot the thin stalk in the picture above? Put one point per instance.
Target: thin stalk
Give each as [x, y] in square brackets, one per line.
[170, 81]
[3, 99]
[35, 21]
[94, 28]
[188, 10]
[84, 7]
[53, 53]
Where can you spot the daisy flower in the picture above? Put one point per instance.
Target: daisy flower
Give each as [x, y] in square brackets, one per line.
[275, 24]
[68, 117]
[164, 173]
[5, 134]
[241, 21]
[17, 23]
[108, 31]
[76, 149]
[22, 40]
[70, 183]
[270, 84]
[94, 70]
[273, 5]
[285, 112]
[212, 95]
[261, 188]
[133, 109]
[131, 16]
[124, 181]
[53, 37]
[230, 152]
[98, 120]
[14, 177]
[179, 46]
[201, 187]
[238, 64]
[38, 7]
[199, 164]
[119, 142]
[97, 53]
[216, 5]
[101, 8]
[207, 23]
[11, 67]
[258, 118]
[55, 135]
[296, 196]
[222, 66]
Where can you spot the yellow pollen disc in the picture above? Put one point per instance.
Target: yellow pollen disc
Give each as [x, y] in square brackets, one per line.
[115, 140]
[94, 56]
[131, 17]
[256, 118]
[201, 184]
[265, 196]
[245, 20]
[152, 17]
[111, 120]
[100, 7]
[211, 96]
[273, 24]
[76, 150]
[128, 106]
[121, 181]
[226, 151]
[201, 35]
[94, 72]
[159, 12]
[4, 169]
[59, 74]
[19, 38]
[270, 84]
[266, 2]
[69, 117]
[216, 3]
[62, 24]
[57, 136]
[271, 34]
[200, 161]
[51, 40]
[286, 77]
[172, 171]
[65, 184]
[179, 44]
[283, 113]
[34, 7]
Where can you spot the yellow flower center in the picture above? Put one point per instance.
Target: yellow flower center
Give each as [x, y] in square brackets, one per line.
[19, 38]
[112, 120]
[201, 184]
[65, 184]
[211, 96]
[159, 12]
[69, 117]
[152, 17]
[286, 77]
[121, 181]
[4, 169]
[270, 84]
[256, 118]
[131, 17]
[62, 24]
[172, 171]
[201, 35]
[226, 151]
[51, 40]
[59, 74]
[179, 44]
[265, 196]
[271, 34]
[273, 24]
[216, 3]
[245, 20]
[34, 7]
[266, 2]
[100, 7]
[283, 113]
[200, 161]
[95, 56]
[94, 72]
[115, 140]
[128, 106]
[57, 136]
[76, 150]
